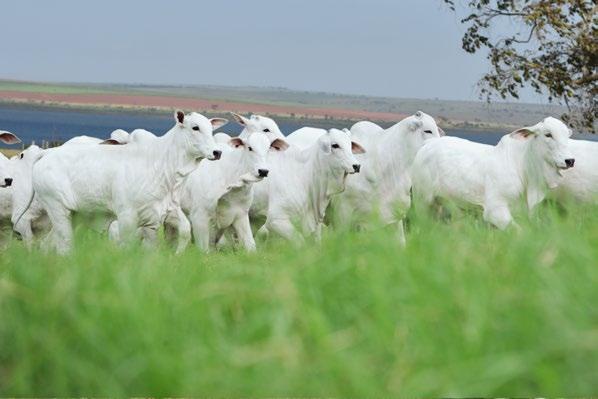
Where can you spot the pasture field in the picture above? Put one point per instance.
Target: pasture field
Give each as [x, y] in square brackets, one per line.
[463, 310]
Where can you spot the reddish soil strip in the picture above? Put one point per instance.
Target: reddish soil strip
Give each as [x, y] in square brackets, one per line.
[195, 104]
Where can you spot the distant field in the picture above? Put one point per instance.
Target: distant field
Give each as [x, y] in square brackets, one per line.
[464, 310]
[49, 88]
[274, 101]
[9, 152]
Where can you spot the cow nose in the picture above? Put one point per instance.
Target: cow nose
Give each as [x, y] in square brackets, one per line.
[7, 182]
[217, 154]
[263, 172]
[570, 162]
[356, 168]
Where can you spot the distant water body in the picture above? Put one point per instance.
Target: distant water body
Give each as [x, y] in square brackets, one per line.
[34, 124]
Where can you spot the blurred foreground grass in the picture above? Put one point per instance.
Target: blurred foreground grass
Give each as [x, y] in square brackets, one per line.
[463, 310]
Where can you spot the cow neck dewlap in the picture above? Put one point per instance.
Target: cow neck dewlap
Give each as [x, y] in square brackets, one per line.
[234, 164]
[397, 149]
[519, 155]
[325, 183]
[540, 175]
[170, 160]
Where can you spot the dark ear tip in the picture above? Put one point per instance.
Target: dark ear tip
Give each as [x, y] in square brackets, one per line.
[180, 115]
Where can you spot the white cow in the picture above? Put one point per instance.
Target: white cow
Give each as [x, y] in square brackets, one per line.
[132, 181]
[384, 186]
[258, 123]
[217, 195]
[525, 163]
[581, 182]
[301, 185]
[5, 174]
[14, 200]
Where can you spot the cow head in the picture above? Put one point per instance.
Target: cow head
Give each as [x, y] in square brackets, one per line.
[423, 126]
[337, 146]
[6, 176]
[549, 144]
[258, 123]
[198, 133]
[414, 131]
[256, 148]
[9, 138]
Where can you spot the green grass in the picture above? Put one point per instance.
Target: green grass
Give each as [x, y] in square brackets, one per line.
[49, 88]
[463, 310]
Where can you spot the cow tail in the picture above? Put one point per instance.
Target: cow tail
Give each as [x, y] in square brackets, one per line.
[32, 194]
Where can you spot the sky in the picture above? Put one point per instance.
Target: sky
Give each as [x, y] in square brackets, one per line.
[397, 48]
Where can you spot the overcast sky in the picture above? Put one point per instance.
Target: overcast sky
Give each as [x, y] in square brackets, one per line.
[399, 48]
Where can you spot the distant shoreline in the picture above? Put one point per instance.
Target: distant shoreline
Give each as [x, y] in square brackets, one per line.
[166, 111]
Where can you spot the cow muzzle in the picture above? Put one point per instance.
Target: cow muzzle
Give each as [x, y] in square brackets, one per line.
[216, 154]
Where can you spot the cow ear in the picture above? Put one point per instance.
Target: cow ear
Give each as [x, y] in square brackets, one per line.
[218, 122]
[325, 144]
[441, 132]
[522, 134]
[419, 114]
[356, 148]
[9, 138]
[240, 119]
[279, 145]
[236, 142]
[415, 124]
[111, 142]
[179, 116]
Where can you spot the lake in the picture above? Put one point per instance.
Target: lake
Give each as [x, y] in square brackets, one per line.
[37, 124]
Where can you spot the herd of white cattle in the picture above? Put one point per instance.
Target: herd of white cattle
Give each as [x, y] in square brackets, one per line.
[206, 186]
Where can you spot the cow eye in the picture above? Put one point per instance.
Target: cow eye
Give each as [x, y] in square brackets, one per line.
[266, 130]
[428, 131]
[195, 127]
[250, 149]
[549, 135]
[336, 145]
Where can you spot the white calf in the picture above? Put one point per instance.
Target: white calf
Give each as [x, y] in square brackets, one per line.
[217, 196]
[384, 185]
[130, 180]
[23, 217]
[301, 185]
[526, 163]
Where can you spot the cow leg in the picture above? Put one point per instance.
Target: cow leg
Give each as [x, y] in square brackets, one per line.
[499, 216]
[401, 232]
[177, 223]
[244, 234]
[200, 224]
[318, 232]
[127, 226]
[113, 231]
[61, 235]
[25, 230]
[284, 228]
